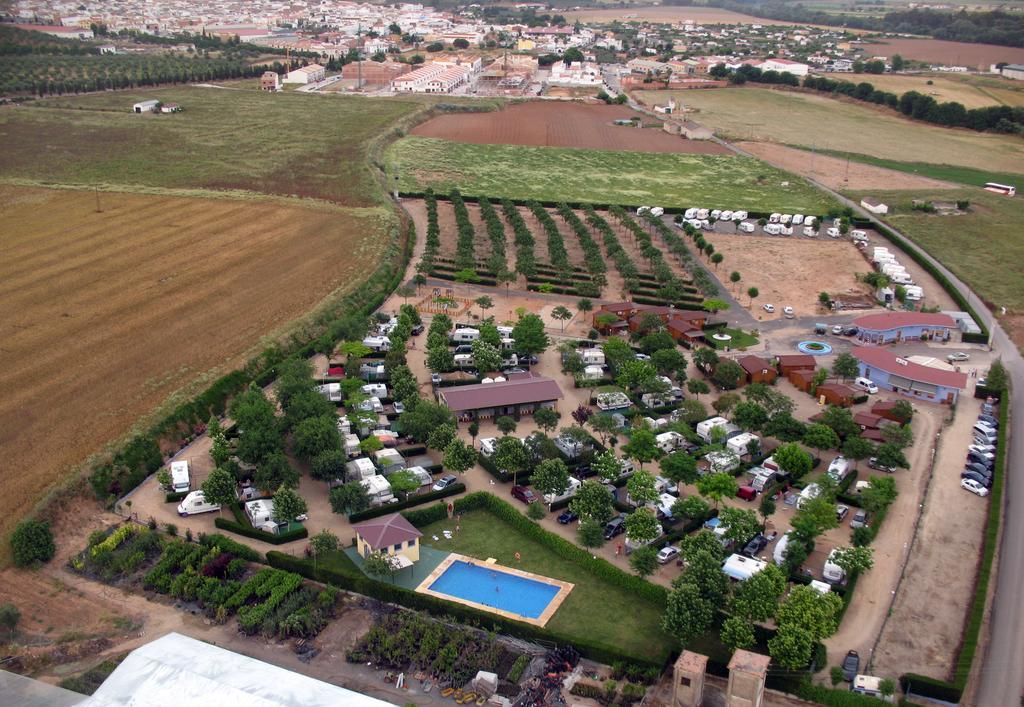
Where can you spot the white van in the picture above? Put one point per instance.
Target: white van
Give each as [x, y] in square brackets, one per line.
[866, 384]
[195, 503]
[871, 686]
[833, 573]
[746, 227]
[179, 476]
[833, 233]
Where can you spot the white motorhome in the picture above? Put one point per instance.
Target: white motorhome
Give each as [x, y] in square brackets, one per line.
[871, 686]
[722, 462]
[389, 460]
[833, 232]
[570, 491]
[488, 445]
[772, 229]
[180, 481]
[839, 468]
[774, 218]
[739, 568]
[786, 219]
[378, 489]
[421, 475]
[798, 219]
[592, 373]
[463, 360]
[351, 445]
[669, 442]
[378, 390]
[833, 573]
[810, 220]
[726, 215]
[657, 212]
[704, 428]
[786, 231]
[739, 215]
[809, 491]
[702, 214]
[613, 401]
[779, 554]
[195, 503]
[465, 335]
[331, 391]
[690, 213]
[746, 227]
[377, 344]
[592, 357]
[738, 444]
[762, 478]
[360, 468]
[809, 231]
[260, 512]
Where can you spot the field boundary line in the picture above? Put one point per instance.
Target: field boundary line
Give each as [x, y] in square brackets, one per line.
[226, 195]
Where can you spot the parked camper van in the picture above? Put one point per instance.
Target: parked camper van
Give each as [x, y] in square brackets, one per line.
[377, 344]
[746, 227]
[465, 335]
[871, 686]
[180, 481]
[570, 491]
[866, 384]
[833, 573]
[378, 390]
[195, 503]
[809, 231]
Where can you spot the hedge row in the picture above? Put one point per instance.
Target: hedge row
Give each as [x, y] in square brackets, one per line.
[174, 497]
[925, 263]
[236, 548]
[410, 502]
[250, 532]
[694, 306]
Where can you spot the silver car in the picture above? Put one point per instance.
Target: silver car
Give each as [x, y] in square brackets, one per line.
[860, 519]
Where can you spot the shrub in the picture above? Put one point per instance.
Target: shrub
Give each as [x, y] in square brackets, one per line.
[31, 542]
[9, 616]
[226, 544]
[518, 668]
[250, 532]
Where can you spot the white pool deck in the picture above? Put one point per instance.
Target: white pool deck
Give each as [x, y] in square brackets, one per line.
[556, 601]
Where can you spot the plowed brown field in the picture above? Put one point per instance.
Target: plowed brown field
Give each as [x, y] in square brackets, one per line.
[106, 314]
[560, 124]
[974, 56]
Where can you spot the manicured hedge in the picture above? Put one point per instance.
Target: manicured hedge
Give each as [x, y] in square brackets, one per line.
[236, 548]
[250, 532]
[930, 687]
[175, 497]
[346, 575]
[411, 502]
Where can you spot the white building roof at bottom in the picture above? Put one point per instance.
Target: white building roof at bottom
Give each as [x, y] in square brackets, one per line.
[181, 671]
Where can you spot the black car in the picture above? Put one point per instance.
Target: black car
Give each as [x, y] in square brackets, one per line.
[980, 468]
[850, 331]
[417, 330]
[851, 665]
[756, 544]
[616, 526]
[973, 458]
[975, 476]
[568, 517]
[583, 471]
[528, 360]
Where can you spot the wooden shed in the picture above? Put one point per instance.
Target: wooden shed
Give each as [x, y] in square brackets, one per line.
[836, 394]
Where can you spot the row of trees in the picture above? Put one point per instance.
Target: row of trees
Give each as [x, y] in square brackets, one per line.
[920, 106]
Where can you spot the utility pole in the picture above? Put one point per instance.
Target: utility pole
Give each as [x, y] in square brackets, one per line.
[359, 57]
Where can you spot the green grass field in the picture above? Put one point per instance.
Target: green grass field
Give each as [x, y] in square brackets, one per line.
[811, 120]
[945, 172]
[594, 609]
[600, 176]
[984, 247]
[282, 144]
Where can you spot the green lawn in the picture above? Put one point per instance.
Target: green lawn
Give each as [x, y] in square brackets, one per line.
[740, 339]
[945, 172]
[825, 123]
[600, 176]
[983, 247]
[282, 144]
[594, 609]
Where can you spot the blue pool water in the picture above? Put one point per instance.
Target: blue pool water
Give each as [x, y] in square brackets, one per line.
[496, 589]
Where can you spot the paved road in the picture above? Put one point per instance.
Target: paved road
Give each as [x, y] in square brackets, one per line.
[1001, 674]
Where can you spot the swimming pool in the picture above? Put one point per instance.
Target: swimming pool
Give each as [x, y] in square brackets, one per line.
[502, 590]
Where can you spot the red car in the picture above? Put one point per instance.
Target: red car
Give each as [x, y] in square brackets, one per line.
[524, 494]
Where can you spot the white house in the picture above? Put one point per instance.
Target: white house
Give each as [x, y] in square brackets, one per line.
[874, 205]
[306, 74]
[783, 66]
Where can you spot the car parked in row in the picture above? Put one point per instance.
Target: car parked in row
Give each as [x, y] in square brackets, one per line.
[568, 517]
[667, 554]
[524, 494]
[974, 487]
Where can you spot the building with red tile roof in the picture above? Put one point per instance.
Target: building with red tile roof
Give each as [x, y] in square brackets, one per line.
[392, 535]
[893, 327]
[520, 394]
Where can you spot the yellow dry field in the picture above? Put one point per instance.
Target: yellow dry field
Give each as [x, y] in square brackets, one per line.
[666, 14]
[107, 314]
[811, 120]
[971, 91]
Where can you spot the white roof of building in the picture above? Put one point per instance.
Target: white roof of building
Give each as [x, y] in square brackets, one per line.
[178, 671]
